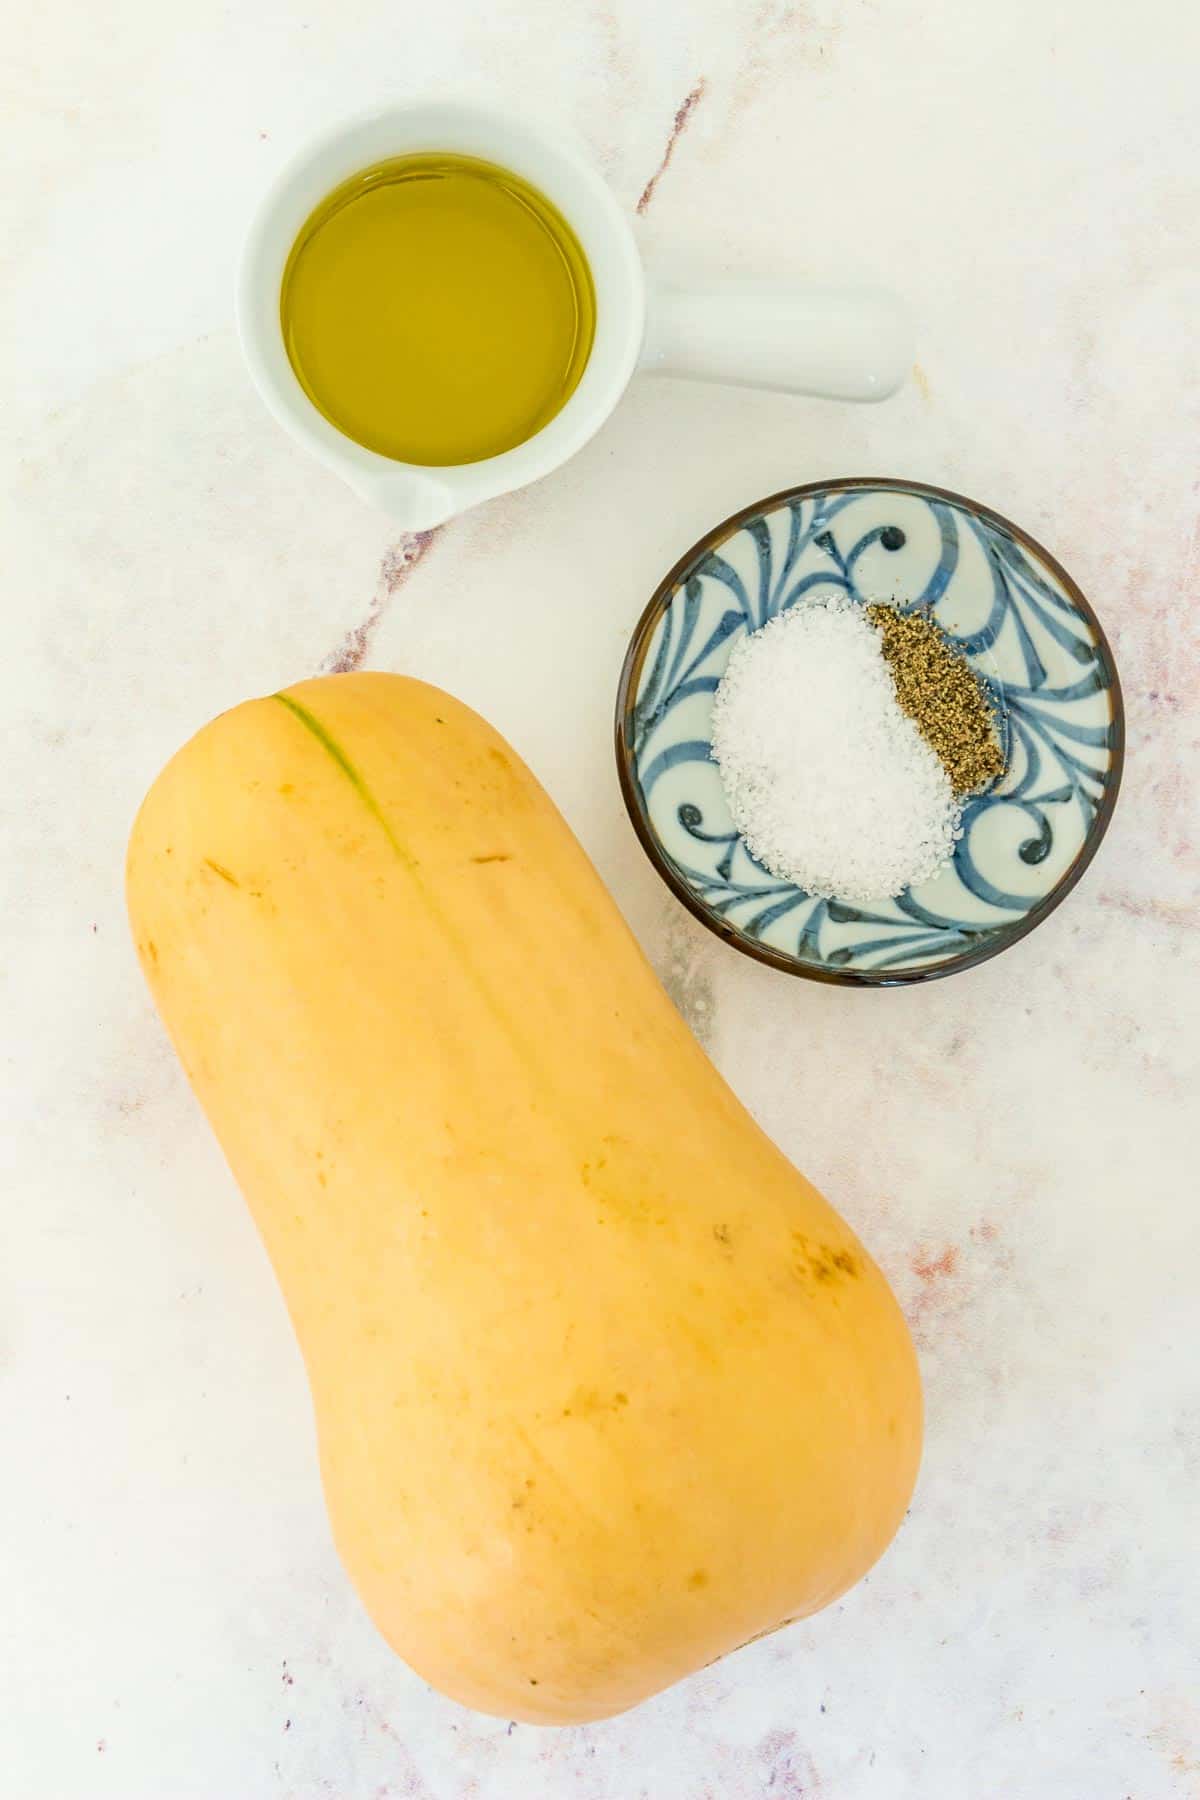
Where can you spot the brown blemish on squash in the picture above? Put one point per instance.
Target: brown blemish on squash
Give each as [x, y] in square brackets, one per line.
[589, 1403]
[697, 1579]
[152, 950]
[620, 1192]
[722, 1235]
[497, 856]
[766, 1632]
[822, 1262]
[219, 869]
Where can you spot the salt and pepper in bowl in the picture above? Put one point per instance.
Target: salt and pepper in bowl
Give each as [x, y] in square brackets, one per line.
[869, 732]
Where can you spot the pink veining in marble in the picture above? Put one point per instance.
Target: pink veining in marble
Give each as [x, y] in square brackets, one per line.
[949, 1277]
[682, 115]
[399, 561]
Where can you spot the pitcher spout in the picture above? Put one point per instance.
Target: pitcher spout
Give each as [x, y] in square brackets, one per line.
[412, 500]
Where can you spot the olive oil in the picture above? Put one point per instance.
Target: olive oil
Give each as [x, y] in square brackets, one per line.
[438, 309]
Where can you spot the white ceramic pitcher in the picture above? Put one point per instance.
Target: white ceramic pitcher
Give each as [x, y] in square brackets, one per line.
[851, 344]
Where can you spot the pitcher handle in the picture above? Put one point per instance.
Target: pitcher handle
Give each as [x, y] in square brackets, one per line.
[841, 343]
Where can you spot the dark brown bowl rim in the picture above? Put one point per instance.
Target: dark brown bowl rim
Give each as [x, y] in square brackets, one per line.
[1004, 936]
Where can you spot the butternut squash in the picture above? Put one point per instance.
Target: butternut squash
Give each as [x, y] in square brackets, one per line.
[603, 1387]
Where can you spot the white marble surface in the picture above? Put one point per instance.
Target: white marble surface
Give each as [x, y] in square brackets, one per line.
[1012, 1143]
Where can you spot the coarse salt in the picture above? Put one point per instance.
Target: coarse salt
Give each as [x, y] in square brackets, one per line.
[831, 785]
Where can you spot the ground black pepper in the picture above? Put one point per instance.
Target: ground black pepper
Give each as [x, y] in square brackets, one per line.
[941, 693]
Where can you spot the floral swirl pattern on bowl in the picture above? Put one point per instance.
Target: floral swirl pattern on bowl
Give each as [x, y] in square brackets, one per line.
[1002, 600]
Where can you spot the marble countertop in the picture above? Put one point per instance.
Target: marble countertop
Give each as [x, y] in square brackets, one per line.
[1014, 1143]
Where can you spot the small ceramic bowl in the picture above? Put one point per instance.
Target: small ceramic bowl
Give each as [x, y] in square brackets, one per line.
[1003, 601]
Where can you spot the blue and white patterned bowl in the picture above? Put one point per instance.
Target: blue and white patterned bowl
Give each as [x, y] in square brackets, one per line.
[1002, 600]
